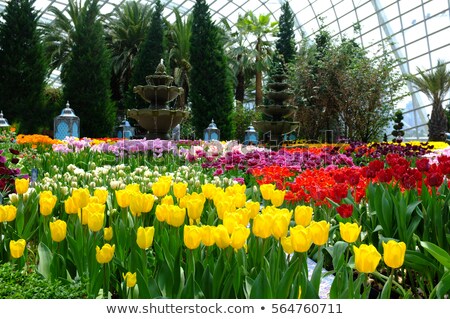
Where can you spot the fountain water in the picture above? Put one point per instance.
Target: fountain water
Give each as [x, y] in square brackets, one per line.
[158, 119]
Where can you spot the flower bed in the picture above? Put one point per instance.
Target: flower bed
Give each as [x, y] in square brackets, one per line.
[151, 219]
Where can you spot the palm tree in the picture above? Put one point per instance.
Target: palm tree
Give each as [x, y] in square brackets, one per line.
[126, 29]
[179, 34]
[58, 34]
[434, 84]
[259, 27]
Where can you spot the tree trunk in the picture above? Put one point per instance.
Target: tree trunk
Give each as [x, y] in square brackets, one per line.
[437, 125]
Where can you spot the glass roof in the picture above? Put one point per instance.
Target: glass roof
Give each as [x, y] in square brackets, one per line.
[420, 30]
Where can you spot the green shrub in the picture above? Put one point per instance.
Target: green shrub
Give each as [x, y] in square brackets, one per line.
[28, 284]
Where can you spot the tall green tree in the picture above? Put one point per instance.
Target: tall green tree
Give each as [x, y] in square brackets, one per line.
[150, 53]
[259, 27]
[435, 84]
[211, 88]
[58, 34]
[126, 30]
[179, 35]
[285, 43]
[86, 77]
[22, 66]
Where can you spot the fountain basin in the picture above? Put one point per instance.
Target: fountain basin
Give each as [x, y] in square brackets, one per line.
[158, 95]
[158, 122]
[277, 112]
[276, 128]
[281, 97]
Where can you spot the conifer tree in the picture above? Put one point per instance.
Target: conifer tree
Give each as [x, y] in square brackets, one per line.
[285, 44]
[86, 78]
[150, 53]
[22, 66]
[211, 92]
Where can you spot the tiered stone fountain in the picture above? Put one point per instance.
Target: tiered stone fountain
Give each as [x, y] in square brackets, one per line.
[158, 119]
[279, 111]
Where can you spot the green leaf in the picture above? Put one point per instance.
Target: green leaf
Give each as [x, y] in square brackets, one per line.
[443, 287]
[261, 287]
[207, 283]
[386, 292]
[144, 291]
[437, 252]
[317, 274]
[45, 260]
[419, 262]
[285, 284]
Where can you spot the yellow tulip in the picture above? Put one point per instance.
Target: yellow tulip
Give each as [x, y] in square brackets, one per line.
[266, 190]
[176, 216]
[81, 197]
[221, 237]
[107, 233]
[303, 215]
[239, 200]
[130, 279]
[70, 206]
[394, 253]
[300, 238]
[101, 194]
[262, 225]
[194, 209]
[96, 219]
[17, 248]
[207, 233]
[277, 197]
[192, 236]
[168, 199]
[239, 236]
[137, 203]
[319, 232]
[21, 185]
[58, 230]
[123, 198]
[236, 189]
[230, 220]
[209, 190]
[366, 258]
[133, 188]
[349, 231]
[47, 202]
[105, 254]
[280, 225]
[149, 201]
[144, 236]
[286, 243]
[179, 189]
[161, 188]
[161, 212]
[7, 213]
[254, 208]
[224, 206]
[244, 215]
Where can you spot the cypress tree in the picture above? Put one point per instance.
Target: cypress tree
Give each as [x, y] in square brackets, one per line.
[22, 66]
[211, 91]
[150, 53]
[86, 78]
[285, 44]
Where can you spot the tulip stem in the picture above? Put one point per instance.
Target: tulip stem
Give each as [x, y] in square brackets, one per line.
[377, 274]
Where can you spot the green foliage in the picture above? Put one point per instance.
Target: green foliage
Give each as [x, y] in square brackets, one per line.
[398, 133]
[29, 284]
[435, 84]
[87, 75]
[22, 65]
[150, 52]
[285, 44]
[341, 88]
[211, 91]
[242, 118]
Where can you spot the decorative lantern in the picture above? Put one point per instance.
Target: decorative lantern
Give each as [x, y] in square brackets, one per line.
[125, 130]
[211, 133]
[251, 136]
[66, 124]
[3, 121]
